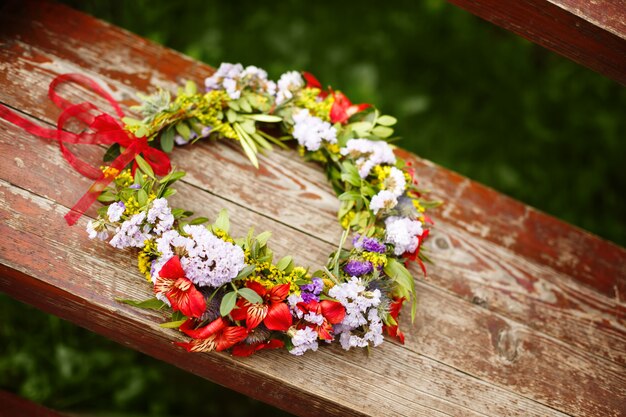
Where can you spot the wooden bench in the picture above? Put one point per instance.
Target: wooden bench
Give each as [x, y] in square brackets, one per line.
[521, 314]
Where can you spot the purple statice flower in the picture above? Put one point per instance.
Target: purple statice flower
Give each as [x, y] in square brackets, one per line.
[311, 292]
[368, 244]
[135, 186]
[356, 268]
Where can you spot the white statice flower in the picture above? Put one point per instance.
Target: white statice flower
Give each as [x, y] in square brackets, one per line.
[97, 229]
[368, 153]
[115, 211]
[160, 215]
[226, 78]
[395, 182]
[384, 200]
[361, 311]
[206, 259]
[373, 336]
[310, 131]
[303, 340]
[288, 84]
[131, 233]
[293, 301]
[403, 233]
[256, 79]
[314, 318]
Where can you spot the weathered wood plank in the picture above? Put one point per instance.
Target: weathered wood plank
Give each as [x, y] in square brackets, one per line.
[591, 33]
[496, 340]
[522, 289]
[12, 406]
[65, 266]
[494, 348]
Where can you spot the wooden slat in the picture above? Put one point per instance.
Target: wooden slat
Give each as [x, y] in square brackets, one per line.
[591, 33]
[464, 359]
[11, 406]
[521, 288]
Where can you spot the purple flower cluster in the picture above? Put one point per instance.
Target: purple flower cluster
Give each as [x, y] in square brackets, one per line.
[368, 244]
[312, 291]
[356, 268]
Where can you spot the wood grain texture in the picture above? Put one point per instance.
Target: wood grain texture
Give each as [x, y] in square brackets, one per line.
[502, 328]
[591, 33]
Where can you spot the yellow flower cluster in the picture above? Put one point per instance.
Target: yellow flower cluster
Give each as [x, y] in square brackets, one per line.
[132, 206]
[224, 236]
[144, 259]
[268, 275]
[109, 172]
[124, 179]
[377, 259]
[347, 219]
[208, 109]
[308, 99]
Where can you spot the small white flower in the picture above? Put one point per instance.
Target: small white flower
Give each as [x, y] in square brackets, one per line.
[368, 153]
[403, 233]
[96, 229]
[384, 200]
[303, 340]
[288, 84]
[395, 182]
[310, 131]
[131, 233]
[115, 211]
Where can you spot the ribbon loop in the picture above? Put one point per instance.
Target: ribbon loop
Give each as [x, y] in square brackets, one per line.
[103, 129]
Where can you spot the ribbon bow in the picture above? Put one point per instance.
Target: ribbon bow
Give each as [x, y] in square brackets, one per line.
[104, 129]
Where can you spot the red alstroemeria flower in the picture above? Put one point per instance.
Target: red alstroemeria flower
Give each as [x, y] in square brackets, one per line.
[179, 290]
[244, 349]
[215, 336]
[343, 108]
[332, 311]
[273, 312]
[394, 312]
[414, 256]
[312, 82]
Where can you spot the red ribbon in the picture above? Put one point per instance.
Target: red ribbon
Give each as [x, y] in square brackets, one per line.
[103, 130]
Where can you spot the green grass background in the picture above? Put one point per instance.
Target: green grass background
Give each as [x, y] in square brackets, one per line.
[468, 95]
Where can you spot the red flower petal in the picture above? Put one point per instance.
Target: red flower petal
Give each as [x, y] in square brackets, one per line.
[240, 312]
[278, 293]
[333, 311]
[343, 108]
[324, 331]
[311, 81]
[257, 288]
[278, 317]
[205, 331]
[172, 269]
[244, 349]
[185, 297]
[255, 315]
[230, 336]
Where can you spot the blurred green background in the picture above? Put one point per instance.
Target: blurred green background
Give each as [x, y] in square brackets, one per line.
[468, 95]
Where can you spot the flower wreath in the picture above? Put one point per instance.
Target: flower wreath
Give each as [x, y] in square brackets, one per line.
[227, 293]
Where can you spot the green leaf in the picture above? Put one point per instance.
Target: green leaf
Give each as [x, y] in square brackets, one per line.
[191, 88]
[399, 274]
[361, 128]
[267, 118]
[173, 324]
[350, 174]
[261, 141]
[150, 303]
[350, 195]
[248, 146]
[130, 121]
[142, 197]
[245, 272]
[112, 153]
[245, 105]
[231, 115]
[262, 238]
[248, 126]
[183, 129]
[233, 104]
[387, 120]
[198, 220]
[228, 303]
[107, 197]
[250, 295]
[167, 140]
[144, 166]
[172, 176]
[169, 192]
[284, 263]
[382, 131]
[222, 221]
